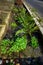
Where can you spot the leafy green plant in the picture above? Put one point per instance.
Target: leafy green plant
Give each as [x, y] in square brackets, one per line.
[11, 46]
[4, 44]
[13, 25]
[3, 50]
[15, 9]
[26, 21]
[34, 42]
[18, 45]
[22, 11]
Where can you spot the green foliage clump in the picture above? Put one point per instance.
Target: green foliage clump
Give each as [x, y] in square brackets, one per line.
[26, 20]
[11, 46]
[4, 44]
[15, 9]
[22, 11]
[18, 45]
[23, 17]
[3, 50]
[28, 23]
[34, 42]
[13, 25]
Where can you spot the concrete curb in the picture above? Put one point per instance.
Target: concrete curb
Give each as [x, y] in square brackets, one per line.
[5, 27]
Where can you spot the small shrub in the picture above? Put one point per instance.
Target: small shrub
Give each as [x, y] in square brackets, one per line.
[34, 42]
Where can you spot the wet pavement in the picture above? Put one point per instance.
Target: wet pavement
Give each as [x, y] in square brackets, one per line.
[38, 5]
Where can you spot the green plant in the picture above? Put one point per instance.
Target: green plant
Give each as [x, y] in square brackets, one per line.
[27, 22]
[15, 9]
[34, 42]
[4, 44]
[18, 45]
[3, 50]
[13, 25]
[11, 46]
[22, 11]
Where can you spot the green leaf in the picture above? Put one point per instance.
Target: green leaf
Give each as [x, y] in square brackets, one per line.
[20, 31]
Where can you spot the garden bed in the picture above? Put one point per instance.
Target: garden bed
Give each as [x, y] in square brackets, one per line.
[21, 39]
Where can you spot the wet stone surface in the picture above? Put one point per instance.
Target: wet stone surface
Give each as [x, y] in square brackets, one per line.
[30, 52]
[37, 52]
[5, 5]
